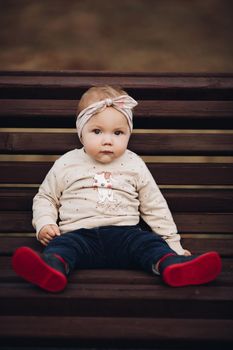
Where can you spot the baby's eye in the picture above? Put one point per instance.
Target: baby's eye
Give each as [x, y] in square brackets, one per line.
[96, 131]
[118, 132]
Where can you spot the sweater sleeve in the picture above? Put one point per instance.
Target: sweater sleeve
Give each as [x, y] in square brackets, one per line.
[46, 202]
[155, 212]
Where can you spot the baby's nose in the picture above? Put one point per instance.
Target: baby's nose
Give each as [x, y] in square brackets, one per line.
[107, 139]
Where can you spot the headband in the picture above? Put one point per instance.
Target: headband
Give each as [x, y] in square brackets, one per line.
[123, 104]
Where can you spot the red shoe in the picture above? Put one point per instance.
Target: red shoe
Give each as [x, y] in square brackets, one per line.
[178, 271]
[48, 272]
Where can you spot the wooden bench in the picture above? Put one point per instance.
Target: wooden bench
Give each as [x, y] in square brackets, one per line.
[183, 128]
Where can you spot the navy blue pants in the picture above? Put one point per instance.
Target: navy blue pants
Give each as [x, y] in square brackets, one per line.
[115, 247]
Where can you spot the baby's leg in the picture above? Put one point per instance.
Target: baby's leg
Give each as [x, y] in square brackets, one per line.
[151, 252]
[147, 248]
[63, 254]
[81, 249]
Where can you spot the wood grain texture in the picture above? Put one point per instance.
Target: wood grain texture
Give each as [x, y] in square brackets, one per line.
[178, 143]
[121, 308]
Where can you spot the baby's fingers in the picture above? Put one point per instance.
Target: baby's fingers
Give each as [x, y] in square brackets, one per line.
[56, 230]
[45, 238]
[187, 252]
[44, 241]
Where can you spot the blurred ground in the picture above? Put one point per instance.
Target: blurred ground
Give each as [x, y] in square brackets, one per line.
[129, 35]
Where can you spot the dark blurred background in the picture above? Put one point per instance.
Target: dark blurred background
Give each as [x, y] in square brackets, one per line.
[127, 35]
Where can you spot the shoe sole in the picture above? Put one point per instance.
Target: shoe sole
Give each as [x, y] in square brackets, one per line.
[29, 265]
[203, 269]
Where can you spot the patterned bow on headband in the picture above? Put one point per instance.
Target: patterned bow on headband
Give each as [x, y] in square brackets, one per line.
[123, 104]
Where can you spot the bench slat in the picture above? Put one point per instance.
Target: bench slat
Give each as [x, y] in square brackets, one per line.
[148, 114]
[140, 85]
[179, 200]
[197, 245]
[81, 292]
[117, 300]
[107, 276]
[136, 330]
[165, 173]
[20, 221]
[153, 108]
[156, 144]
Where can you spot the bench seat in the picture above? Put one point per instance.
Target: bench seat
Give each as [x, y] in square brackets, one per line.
[183, 129]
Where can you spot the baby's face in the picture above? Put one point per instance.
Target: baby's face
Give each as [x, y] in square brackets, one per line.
[106, 135]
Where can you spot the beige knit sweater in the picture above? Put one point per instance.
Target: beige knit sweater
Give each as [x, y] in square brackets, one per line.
[79, 192]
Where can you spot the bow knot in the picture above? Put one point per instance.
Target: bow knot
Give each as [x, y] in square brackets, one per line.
[122, 103]
[109, 102]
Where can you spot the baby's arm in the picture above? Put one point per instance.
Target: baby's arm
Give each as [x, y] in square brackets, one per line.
[46, 205]
[47, 233]
[155, 212]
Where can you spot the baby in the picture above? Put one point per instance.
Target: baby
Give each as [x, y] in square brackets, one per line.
[88, 208]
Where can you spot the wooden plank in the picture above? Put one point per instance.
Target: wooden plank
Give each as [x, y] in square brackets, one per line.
[151, 108]
[204, 222]
[145, 144]
[24, 172]
[179, 200]
[20, 221]
[117, 329]
[109, 276]
[148, 114]
[197, 245]
[200, 245]
[119, 300]
[33, 172]
[17, 198]
[150, 85]
[192, 173]
[199, 200]
[104, 292]
[10, 244]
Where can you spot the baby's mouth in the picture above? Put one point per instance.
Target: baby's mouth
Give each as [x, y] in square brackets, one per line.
[106, 152]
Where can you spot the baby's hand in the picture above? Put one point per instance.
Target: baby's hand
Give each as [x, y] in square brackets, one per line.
[47, 233]
[187, 252]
